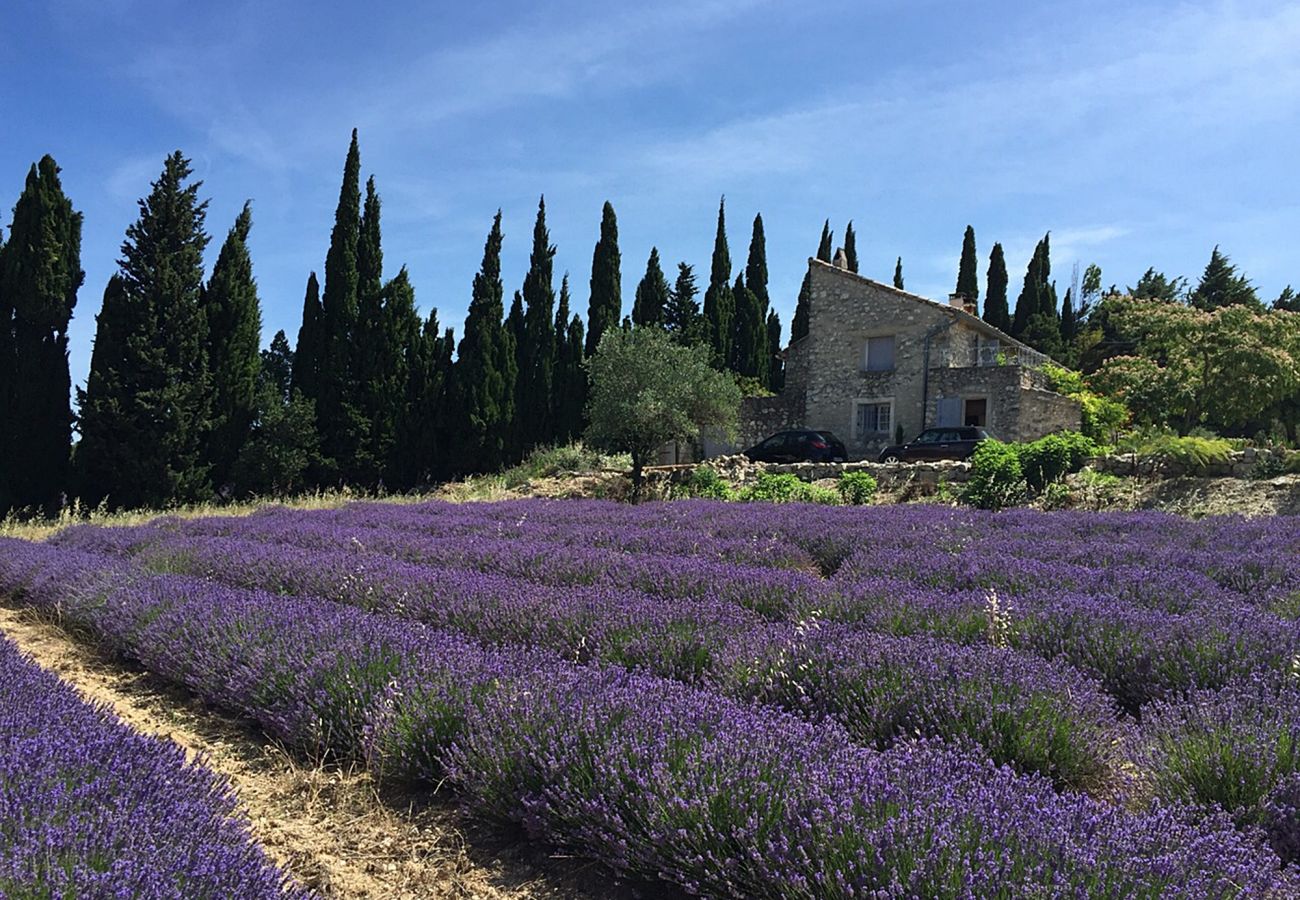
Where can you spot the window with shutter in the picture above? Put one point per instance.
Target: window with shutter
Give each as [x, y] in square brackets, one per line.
[879, 354]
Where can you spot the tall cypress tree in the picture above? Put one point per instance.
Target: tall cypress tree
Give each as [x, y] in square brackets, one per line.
[851, 247]
[144, 413]
[234, 319]
[425, 443]
[1031, 301]
[40, 273]
[824, 246]
[996, 312]
[682, 316]
[400, 356]
[1069, 324]
[485, 366]
[341, 422]
[651, 294]
[311, 343]
[570, 376]
[372, 357]
[756, 265]
[534, 406]
[749, 334]
[719, 303]
[898, 274]
[277, 367]
[776, 365]
[606, 305]
[968, 284]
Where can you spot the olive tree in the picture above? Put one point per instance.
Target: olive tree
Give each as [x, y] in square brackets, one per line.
[646, 390]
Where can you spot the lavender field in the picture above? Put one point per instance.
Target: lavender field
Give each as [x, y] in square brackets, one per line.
[751, 699]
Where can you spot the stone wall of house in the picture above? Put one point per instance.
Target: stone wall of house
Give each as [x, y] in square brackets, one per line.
[1043, 412]
[1018, 409]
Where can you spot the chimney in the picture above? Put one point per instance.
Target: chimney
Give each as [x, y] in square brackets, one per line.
[964, 303]
[841, 259]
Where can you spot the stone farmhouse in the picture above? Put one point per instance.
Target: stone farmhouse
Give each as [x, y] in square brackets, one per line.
[878, 362]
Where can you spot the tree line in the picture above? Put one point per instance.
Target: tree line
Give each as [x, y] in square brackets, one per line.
[182, 404]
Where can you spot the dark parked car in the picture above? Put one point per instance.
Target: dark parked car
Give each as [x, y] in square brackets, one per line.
[937, 443]
[799, 445]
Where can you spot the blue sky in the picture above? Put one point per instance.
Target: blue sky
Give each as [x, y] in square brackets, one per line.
[1140, 134]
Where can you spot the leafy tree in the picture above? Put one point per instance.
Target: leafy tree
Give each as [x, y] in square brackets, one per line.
[824, 246]
[426, 438]
[340, 420]
[1091, 288]
[651, 294]
[647, 390]
[537, 348]
[311, 343]
[485, 366]
[682, 317]
[1221, 368]
[144, 413]
[719, 302]
[996, 312]
[851, 247]
[1154, 285]
[1221, 285]
[898, 274]
[282, 448]
[40, 274]
[276, 372]
[570, 377]
[606, 306]
[234, 320]
[1287, 300]
[968, 284]
[749, 335]
[397, 361]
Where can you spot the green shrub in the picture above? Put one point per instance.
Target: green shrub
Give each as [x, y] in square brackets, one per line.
[706, 483]
[770, 488]
[856, 488]
[1102, 416]
[1292, 464]
[1049, 459]
[1193, 452]
[996, 479]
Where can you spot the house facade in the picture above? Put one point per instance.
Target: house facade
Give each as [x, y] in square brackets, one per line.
[878, 361]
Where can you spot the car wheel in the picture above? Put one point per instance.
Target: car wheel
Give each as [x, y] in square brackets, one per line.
[891, 457]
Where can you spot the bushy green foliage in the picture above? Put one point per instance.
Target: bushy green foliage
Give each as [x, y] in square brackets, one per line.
[996, 478]
[1049, 459]
[704, 482]
[1103, 417]
[1194, 452]
[786, 488]
[549, 462]
[856, 488]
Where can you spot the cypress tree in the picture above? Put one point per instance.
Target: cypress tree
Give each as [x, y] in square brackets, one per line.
[277, 367]
[311, 343]
[824, 249]
[1029, 301]
[1047, 289]
[996, 312]
[851, 247]
[749, 334]
[1069, 324]
[606, 305]
[776, 365]
[40, 273]
[570, 376]
[719, 303]
[799, 325]
[485, 366]
[372, 357]
[967, 280]
[144, 414]
[898, 274]
[341, 423]
[651, 294]
[234, 320]
[756, 265]
[425, 441]
[682, 316]
[398, 362]
[534, 404]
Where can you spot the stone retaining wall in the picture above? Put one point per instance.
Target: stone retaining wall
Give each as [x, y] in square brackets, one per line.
[1240, 464]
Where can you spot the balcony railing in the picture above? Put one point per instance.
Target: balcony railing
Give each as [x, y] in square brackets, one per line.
[988, 355]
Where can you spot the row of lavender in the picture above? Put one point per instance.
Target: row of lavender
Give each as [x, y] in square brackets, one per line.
[650, 775]
[89, 808]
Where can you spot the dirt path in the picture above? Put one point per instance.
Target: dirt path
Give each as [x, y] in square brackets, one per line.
[331, 829]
